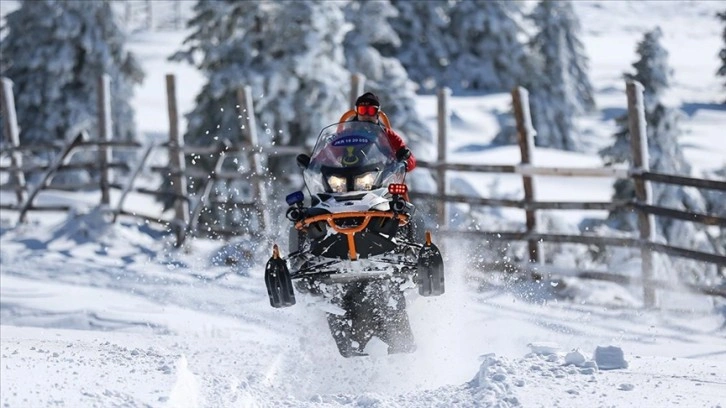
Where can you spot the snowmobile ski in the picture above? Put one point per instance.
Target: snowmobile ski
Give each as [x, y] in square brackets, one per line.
[277, 279]
[430, 269]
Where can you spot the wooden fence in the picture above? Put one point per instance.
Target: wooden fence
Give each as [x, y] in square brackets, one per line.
[642, 205]
[188, 209]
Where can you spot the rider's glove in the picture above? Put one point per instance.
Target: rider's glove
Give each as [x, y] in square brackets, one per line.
[403, 154]
[303, 161]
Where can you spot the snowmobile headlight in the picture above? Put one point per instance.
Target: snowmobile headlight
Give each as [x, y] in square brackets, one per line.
[365, 181]
[337, 184]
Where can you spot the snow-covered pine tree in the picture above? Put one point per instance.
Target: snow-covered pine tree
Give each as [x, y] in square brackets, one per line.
[665, 154]
[425, 44]
[653, 72]
[490, 54]
[54, 51]
[385, 76]
[292, 57]
[558, 83]
[290, 54]
[722, 53]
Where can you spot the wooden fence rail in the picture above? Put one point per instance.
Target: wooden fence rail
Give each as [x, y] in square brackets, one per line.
[52, 169]
[679, 180]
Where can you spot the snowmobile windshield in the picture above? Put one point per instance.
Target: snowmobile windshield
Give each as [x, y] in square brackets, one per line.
[352, 156]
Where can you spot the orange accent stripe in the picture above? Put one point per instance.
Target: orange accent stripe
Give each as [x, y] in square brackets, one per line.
[367, 215]
[347, 115]
[352, 251]
[384, 119]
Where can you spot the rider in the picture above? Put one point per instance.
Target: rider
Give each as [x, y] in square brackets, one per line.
[367, 108]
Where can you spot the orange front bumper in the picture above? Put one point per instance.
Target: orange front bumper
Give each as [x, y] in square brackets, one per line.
[350, 232]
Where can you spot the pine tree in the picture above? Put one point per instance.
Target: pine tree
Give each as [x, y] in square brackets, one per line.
[652, 68]
[385, 76]
[665, 155]
[425, 44]
[722, 53]
[653, 72]
[559, 86]
[54, 51]
[290, 56]
[489, 55]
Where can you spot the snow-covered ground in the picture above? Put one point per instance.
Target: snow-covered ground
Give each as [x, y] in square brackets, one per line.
[113, 317]
[100, 314]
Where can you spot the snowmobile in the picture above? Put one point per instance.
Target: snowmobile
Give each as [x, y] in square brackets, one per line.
[359, 244]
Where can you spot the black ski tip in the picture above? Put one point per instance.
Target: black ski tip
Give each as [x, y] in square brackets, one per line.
[430, 271]
[278, 282]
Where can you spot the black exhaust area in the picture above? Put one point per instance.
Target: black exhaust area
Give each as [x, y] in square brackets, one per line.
[374, 240]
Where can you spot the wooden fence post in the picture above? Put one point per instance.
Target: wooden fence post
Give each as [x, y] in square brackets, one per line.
[105, 129]
[12, 135]
[177, 163]
[357, 83]
[443, 129]
[246, 110]
[130, 183]
[525, 137]
[643, 190]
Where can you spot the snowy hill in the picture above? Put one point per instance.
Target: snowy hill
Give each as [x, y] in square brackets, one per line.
[100, 314]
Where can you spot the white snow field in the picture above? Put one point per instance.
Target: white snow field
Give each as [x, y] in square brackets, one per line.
[96, 314]
[115, 318]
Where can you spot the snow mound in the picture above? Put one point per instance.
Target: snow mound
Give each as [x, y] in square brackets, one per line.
[185, 392]
[493, 384]
[576, 358]
[610, 358]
